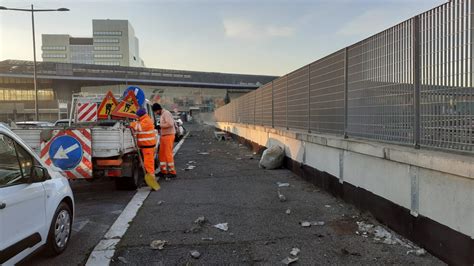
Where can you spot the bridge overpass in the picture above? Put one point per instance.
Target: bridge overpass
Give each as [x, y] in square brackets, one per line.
[386, 124]
[58, 81]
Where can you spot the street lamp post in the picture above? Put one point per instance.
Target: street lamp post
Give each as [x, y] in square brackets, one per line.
[32, 10]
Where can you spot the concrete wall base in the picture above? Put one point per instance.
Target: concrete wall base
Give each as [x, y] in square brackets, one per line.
[453, 247]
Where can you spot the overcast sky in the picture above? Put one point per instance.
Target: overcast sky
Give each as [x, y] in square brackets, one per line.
[270, 37]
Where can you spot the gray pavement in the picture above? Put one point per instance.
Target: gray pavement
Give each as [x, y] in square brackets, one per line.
[98, 204]
[228, 187]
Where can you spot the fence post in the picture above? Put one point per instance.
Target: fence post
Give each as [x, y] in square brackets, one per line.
[273, 107]
[309, 98]
[286, 99]
[346, 89]
[416, 79]
[255, 107]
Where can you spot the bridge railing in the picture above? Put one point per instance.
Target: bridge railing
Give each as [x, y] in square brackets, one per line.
[410, 84]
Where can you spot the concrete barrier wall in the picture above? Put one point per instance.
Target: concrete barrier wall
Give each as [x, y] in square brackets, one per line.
[428, 185]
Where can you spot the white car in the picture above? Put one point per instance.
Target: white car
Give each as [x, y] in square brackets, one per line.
[36, 203]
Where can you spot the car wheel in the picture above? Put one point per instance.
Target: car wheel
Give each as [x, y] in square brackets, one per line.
[60, 230]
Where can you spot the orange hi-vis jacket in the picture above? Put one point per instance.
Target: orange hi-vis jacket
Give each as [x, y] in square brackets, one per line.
[146, 133]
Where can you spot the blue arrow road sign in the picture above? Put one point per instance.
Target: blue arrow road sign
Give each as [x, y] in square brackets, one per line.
[65, 152]
[139, 94]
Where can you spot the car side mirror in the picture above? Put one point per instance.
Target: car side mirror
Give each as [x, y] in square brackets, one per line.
[38, 174]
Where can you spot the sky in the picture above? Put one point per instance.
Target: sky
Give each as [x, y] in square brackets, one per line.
[267, 37]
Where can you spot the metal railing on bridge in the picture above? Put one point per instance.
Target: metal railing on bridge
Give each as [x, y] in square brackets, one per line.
[410, 84]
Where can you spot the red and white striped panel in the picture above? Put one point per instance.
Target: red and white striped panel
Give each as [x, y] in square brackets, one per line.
[84, 137]
[86, 112]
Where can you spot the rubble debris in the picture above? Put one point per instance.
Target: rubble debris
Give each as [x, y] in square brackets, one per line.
[288, 260]
[158, 244]
[191, 162]
[160, 202]
[327, 206]
[222, 226]
[346, 252]
[295, 251]
[200, 220]
[288, 211]
[122, 260]
[195, 254]
[418, 252]
[280, 184]
[272, 158]
[281, 196]
[194, 229]
[380, 234]
[207, 238]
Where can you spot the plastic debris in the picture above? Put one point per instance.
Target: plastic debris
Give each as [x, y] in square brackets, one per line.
[281, 196]
[272, 158]
[280, 184]
[195, 254]
[200, 220]
[288, 211]
[305, 224]
[207, 238]
[418, 252]
[160, 202]
[294, 252]
[327, 206]
[204, 153]
[314, 223]
[222, 226]
[122, 260]
[288, 260]
[191, 162]
[189, 167]
[158, 244]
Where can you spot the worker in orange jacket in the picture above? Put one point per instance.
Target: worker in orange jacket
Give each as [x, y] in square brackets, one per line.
[167, 134]
[146, 139]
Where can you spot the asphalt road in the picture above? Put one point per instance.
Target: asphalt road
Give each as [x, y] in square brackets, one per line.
[226, 186]
[98, 204]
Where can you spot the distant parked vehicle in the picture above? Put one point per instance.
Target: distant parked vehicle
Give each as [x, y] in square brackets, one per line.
[62, 123]
[36, 202]
[23, 124]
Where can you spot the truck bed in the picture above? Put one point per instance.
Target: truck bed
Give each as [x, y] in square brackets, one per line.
[107, 141]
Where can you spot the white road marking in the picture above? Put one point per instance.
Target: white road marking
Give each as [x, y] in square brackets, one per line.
[104, 251]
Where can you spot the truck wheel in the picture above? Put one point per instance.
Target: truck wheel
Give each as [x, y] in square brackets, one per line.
[129, 182]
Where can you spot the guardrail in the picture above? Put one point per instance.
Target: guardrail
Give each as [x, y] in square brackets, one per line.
[410, 84]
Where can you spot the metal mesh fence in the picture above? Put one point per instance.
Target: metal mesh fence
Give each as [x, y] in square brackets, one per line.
[380, 86]
[446, 93]
[327, 94]
[279, 102]
[266, 104]
[298, 98]
[410, 84]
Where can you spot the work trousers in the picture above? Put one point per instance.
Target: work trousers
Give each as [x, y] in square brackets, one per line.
[166, 154]
[149, 160]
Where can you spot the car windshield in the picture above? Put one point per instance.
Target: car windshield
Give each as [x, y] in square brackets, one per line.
[10, 171]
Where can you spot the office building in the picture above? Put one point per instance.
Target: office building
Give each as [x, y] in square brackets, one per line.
[113, 43]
